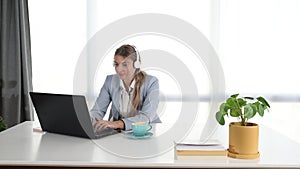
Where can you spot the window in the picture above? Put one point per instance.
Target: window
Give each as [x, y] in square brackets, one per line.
[256, 42]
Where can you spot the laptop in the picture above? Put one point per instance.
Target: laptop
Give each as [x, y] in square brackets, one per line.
[66, 114]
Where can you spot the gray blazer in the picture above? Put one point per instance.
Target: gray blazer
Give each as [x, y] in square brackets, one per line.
[110, 92]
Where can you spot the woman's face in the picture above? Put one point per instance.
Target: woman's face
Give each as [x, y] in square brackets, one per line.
[124, 67]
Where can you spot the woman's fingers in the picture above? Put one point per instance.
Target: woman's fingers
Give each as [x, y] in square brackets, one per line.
[101, 124]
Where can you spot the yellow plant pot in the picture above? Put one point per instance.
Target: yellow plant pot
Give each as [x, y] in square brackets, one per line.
[243, 141]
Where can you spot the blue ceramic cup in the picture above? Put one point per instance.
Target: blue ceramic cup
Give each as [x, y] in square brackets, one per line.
[140, 128]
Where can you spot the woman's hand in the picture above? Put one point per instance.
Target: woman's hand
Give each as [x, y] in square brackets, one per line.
[101, 124]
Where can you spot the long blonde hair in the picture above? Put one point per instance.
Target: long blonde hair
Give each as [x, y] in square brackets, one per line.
[139, 77]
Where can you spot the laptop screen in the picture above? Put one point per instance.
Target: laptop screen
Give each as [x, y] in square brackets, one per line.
[63, 114]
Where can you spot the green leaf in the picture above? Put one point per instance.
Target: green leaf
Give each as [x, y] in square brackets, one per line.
[226, 108]
[260, 110]
[248, 111]
[265, 107]
[249, 98]
[231, 102]
[234, 95]
[234, 112]
[241, 102]
[2, 125]
[254, 107]
[220, 118]
[262, 100]
[222, 107]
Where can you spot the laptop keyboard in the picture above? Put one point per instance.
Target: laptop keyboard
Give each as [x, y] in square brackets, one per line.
[105, 132]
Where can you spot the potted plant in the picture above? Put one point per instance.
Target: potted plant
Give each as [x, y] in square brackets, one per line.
[243, 135]
[2, 125]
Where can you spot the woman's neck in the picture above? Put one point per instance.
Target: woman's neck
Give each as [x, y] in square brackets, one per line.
[127, 83]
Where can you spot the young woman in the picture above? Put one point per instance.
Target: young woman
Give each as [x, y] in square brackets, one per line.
[133, 93]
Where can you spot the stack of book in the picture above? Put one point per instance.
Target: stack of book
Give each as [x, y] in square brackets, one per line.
[194, 149]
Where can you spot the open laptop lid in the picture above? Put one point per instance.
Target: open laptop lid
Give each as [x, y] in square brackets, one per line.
[63, 114]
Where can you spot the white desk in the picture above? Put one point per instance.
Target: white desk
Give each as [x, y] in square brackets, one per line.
[20, 146]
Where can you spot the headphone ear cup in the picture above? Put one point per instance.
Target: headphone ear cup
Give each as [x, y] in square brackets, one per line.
[137, 64]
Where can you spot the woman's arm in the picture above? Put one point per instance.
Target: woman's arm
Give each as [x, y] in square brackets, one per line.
[103, 100]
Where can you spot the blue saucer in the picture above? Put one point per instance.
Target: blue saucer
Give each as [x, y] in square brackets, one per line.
[132, 136]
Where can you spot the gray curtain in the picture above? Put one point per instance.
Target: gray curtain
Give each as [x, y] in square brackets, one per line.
[15, 62]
